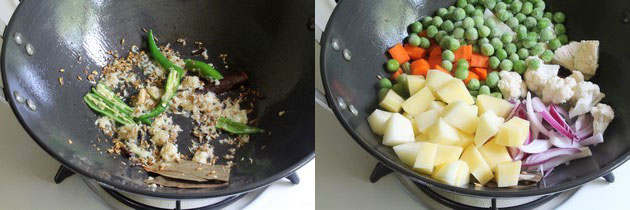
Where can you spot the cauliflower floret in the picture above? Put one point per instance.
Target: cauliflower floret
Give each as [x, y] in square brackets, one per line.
[602, 115]
[537, 79]
[511, 85]
[558, 90]
[581, 56]
[586, 96]
[169, 152]
[577, 76]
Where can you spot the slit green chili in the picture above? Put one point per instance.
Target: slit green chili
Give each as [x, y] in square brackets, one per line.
[172, 83]
[234, 127]
[204, 69]
[157, 55]
[110, 97]
[99, 105]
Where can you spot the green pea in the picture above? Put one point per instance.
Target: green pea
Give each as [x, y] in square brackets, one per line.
[402, 79]
[543, 23]
[385, 83]
[559, 28]
[530, 22]
[458, 14]
[494, 32]
[393, 65]
[468, 22]
[442, 12]
[500, 6]
[437, 21]
[559, 17]
[496, 95]
[448, 65]
[548, 15]
[494, 62]
[461, 3]
[513, 57]
[458, 33]
[487, 49]
[533, 36]
[533, 63]
[462, 63]
[483, 41]
[461, 73]
[440, 35]
[448, 55]
[472, 34]
[510, 48]
[507, 1]
[444, 42]
[414, 40]
[473, 93]
[484, 31]
[382, 92]
[506, 38]
[554, 44]
[502, 15]
[490, 22]
[427, 20]
[537, 13]
[416, 27]
[496, 43]
[492, 79]
[528, 43]
[473, 84]
[424, 42]
[523, 53]
[479, 21]
[520, 17]
[527, 8]
[447, 26]
[453, 44]
[477, 13]
[537, 50]
[501, 54]
[432, 31]
[469, 9]
[451, 8]
[521, 35]
[547, 56]
[506, 65]
[406, 68]
[484, 90]
[490, 4]
[563, 39]
[516, 6]
[540, 5]
[519, 66]
[512, 22]
[546, 34]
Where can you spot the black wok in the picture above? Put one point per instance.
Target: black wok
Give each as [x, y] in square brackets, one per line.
[368, 28]
[269, 40]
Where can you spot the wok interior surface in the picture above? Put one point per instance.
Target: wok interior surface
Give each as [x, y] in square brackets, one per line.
[269, 40]
[368, 29]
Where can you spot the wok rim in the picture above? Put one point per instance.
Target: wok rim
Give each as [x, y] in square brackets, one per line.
[114, 185]
[326, 46]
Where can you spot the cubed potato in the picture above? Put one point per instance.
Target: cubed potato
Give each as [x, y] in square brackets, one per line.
[508, 173]
[443, 133]
[455, 90]
[426, 157]
[418, 102]
[377, 121]
[422, 137]
[494, 154]
[448, 173]
[446, 154]
[413, 123]
[407, 152]
[436, 78]
[392, 102]
[474, 109]
[478, 166]
[398, 130]
[513, 133]
[459, 115]
[464, 139]
[463, 175]
[487, 127]
[437, 106]
[415, 83]
[500, 107]
[426, 119]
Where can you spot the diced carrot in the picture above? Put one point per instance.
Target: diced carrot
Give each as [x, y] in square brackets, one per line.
[397, 73]
[481, 72]
[464, 52]
[398, 53]
[435, 61]
[423, 34]
[414, 53]
[435, 51]
[471, 75]
[442, 69]
[479, 60]
[420, 67]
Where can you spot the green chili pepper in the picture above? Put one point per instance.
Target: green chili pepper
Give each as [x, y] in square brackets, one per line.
[99, 105]
[234, 127]
[172, 83]
[157, 55]
[110, 97]
[204, 69]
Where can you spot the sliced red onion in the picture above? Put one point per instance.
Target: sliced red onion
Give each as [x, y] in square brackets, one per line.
[515, 153]
[561, 141]
[581, 135]
[514, 111]
[529, 138]
[583, 121]
[561, 110]
[537, 146]
[554, 113]
[558, 160]
[531, 116]
[545, 156]
[595, 139]
[538, 105]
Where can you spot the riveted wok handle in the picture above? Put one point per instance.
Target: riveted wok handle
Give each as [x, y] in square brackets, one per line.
[320, 99]
[3, 26]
